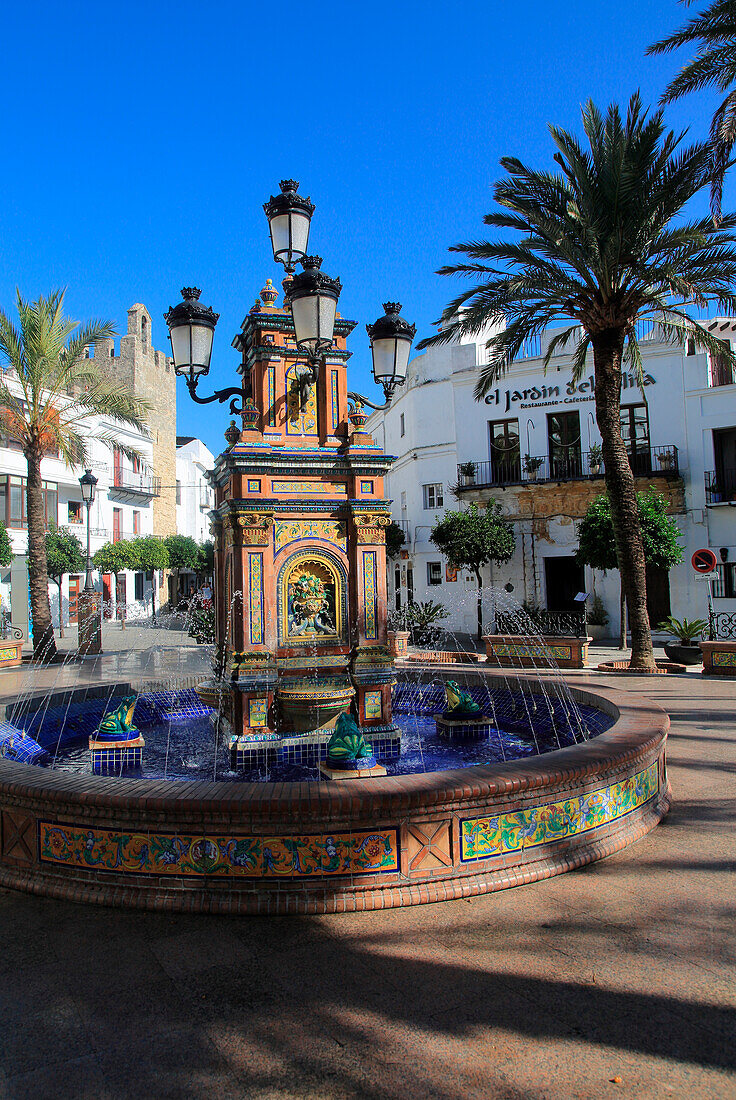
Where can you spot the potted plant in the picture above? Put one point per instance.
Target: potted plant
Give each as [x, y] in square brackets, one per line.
[398, 632]
[666, 459]
[531, 465]
[466, 471]
[595, 458]
[686, 650]
[597, 619]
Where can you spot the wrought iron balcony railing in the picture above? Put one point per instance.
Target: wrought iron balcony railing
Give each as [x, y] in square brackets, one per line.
[566, 624]
[720, 486]
[661, 461]
[139, 482]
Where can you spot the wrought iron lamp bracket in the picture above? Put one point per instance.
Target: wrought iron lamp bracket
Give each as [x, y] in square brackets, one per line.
[218, 395]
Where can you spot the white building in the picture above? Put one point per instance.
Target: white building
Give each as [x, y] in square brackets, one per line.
[122, 509]
[680, 432]
[194, 497]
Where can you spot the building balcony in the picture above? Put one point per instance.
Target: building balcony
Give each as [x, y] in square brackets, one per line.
[133, 484]
[662, 461]
[720, 486]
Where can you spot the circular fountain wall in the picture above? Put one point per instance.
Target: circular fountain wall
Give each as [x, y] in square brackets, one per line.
[330, 847]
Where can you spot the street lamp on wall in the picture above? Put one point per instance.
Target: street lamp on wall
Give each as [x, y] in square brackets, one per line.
[87, 485]
[391, 337]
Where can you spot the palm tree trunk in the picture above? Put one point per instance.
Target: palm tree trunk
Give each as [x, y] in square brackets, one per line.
[480, 606]
[153, 595]
[608, 347]
[44, 645]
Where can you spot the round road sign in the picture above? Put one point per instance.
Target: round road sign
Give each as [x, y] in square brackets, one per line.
[704, 561]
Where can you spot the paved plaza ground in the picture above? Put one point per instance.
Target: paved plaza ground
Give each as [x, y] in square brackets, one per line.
[614, 981]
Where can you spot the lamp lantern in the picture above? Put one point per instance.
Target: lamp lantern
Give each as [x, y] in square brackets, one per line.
[191, 330]
[391, 338]
[87, 484]
[289, 216]
[313, 296]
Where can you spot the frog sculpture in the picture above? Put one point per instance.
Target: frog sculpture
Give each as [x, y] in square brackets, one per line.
[459, 702]
[118, 724]
[348, 745]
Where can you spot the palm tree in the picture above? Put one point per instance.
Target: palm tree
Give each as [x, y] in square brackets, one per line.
[604, 245]
[713, 31]
[45, 356]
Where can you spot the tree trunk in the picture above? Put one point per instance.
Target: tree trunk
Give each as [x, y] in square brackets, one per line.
[480, 606]
[622, 611]
[61, 610]
[44, 645]
[153, 595]
[608, 349]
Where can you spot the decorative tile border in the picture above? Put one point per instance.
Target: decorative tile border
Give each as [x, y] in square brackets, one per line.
[719, 659]
[139, 853]
[309, 487]
[484, 837]
[256, 598]
[372, 704]
[369, 588]
[559, 652]
[288, 531]
[335, 405]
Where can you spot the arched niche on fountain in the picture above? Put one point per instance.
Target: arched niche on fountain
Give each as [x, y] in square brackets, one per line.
[312, 599]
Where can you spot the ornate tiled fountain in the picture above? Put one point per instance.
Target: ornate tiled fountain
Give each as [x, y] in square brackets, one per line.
[300, 568]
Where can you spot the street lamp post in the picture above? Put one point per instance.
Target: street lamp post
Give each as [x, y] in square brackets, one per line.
[88, 483]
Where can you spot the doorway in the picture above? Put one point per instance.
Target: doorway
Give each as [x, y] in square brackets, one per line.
[658, 595]
[74, 585]
[564, 578]
[107, 595]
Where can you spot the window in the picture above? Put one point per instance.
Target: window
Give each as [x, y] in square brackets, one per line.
[74, 511]
[401, 421]
[136, 523]
[13, 501]
[409, 584]
[721, 370]
[434, 572]
[690, 348]
[505, 451]
[724, 581]
[178, 492]
[139, 586]
[117, 524]
[563, 434]
[144, 333]
[635, 434]
[397, 587]
[432, 495]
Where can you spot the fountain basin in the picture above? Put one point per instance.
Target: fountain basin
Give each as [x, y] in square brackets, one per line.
[334, 847]
[310, 704]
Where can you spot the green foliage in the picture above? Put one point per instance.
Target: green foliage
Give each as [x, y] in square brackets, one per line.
[202, 625]
[660, 534]
[597, 616]
[114, 557]
[184, 552]
[713, 33]
[472, 538]
[148, 553]
[6, 553]
[64, 554]
[206, 560]
[395, 538]
[686, 631]
[421, 620]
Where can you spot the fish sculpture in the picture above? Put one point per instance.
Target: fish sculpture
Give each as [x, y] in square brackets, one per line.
[459, 701]
[118, 724]
[348, 742]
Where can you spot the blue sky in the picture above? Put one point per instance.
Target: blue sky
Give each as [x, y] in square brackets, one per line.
[141, 141]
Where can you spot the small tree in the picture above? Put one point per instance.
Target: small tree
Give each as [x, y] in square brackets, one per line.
[395, 539]
[114, 557]
[473, 538]
[206, 560]
[659, 532]
[64, 554]
[150, 554]
[6, 552]
[183, 553]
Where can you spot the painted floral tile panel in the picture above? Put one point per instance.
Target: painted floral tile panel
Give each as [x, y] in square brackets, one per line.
[358, 853]
[484, 837]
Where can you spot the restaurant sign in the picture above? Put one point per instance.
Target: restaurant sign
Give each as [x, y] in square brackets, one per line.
[572, 394]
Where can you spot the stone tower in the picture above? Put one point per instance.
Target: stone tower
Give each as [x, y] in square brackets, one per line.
[150, 374]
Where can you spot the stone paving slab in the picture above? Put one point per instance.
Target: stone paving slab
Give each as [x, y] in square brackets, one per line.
[623, 970]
